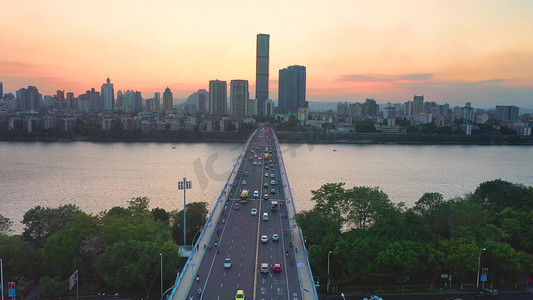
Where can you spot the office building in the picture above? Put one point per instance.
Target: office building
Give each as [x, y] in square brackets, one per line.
[239, 96]
[108, 96]
[218, 95]
[371, 107]
[1, 90]
[292, 85]
[168, 100]
[262, 70]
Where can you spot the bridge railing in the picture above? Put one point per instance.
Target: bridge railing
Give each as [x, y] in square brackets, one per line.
[305, 275]
[186, 277]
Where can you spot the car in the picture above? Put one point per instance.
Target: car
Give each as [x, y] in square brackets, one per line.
[276, 268]
[272, 175]
[253, 212]
[255, 163]
[265, 185]
[246, 174]
[266, 174]
[253, 150]
[239, 295]
[255, 156]
[264, 239]
[227, 263]
[273, 191]
[237, 206]
[259, 164]
[266, 167]
[243, 182]
[265, 196]
[275, 237]
[272, 182]
[264, 268]
[373, 297]
[486, 292]
[256, 194]
[265, 216]
[259, 158]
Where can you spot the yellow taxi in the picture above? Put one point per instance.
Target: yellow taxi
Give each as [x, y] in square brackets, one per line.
[239, 295]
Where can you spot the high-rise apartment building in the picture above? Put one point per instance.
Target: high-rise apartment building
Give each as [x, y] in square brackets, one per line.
[168, 100]
[371, 107]
[108, 96]
[507, 113]
[218, 95]
[239, 96]
[418, 105]
[261, 70]
[28, 99]
[292, 85]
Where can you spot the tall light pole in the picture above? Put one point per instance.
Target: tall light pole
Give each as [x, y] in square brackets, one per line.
[161, 254]
[2, 276]
[184, 185]
[327, 286]
[479, 266]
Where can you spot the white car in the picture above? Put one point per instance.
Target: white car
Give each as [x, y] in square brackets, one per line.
[253, 212]
[266, 174]
[264, 239]
[272, 175]
[256, 194]
[227, 263]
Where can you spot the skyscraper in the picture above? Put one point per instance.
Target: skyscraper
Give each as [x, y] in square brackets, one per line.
[418, 105]
[168, 101]
[218, 95]
[292, 85]
[239, 96]
[1, 90]
[261, 70]
[108, 96]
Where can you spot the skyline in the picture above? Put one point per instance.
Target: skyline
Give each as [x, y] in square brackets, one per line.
[449, 51]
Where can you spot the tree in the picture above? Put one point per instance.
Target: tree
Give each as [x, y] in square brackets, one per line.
[401, 258]
[161, 215]
[461, 258]
[365, 126]
[196, 217]
[499, 194]
[5, 225]
[41, 222]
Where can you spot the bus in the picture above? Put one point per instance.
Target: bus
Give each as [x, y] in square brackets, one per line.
[244, 196]
[266, 156]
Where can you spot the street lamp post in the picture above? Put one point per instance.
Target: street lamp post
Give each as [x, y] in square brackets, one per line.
[327, 286]
[194, 237]
[184, 185]
[479, 266]
[161, 254]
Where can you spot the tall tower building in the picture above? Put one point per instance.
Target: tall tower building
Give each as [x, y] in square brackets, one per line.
[261, 70]
[1, 90]
[292, 85]
[168, 100]
[218, 95]
[108, 96]
[239, 96]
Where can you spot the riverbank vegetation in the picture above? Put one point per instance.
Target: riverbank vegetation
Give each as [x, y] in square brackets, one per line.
[115, 251]
[378, 245]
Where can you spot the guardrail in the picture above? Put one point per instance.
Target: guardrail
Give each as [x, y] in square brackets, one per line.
[185, 278]
[305, 274]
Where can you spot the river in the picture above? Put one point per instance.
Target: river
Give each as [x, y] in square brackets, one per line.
[98, 176]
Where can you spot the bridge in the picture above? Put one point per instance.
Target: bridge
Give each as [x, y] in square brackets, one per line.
[250, 244]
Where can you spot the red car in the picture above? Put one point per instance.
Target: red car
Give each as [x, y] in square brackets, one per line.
[276, 268]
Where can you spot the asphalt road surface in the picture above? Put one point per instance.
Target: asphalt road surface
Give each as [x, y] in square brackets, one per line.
[238, 235]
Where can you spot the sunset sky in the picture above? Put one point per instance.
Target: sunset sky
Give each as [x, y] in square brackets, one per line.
[450, 51]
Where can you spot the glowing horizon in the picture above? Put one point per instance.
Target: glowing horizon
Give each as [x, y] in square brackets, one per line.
[479, 51]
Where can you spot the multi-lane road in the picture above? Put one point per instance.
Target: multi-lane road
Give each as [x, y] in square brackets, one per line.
[238, 235]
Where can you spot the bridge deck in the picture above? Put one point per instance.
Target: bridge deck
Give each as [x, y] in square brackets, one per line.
[236, 234]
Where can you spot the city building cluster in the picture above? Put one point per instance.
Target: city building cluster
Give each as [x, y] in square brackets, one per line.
[210, 111]
[28, 110]
[385, 117]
